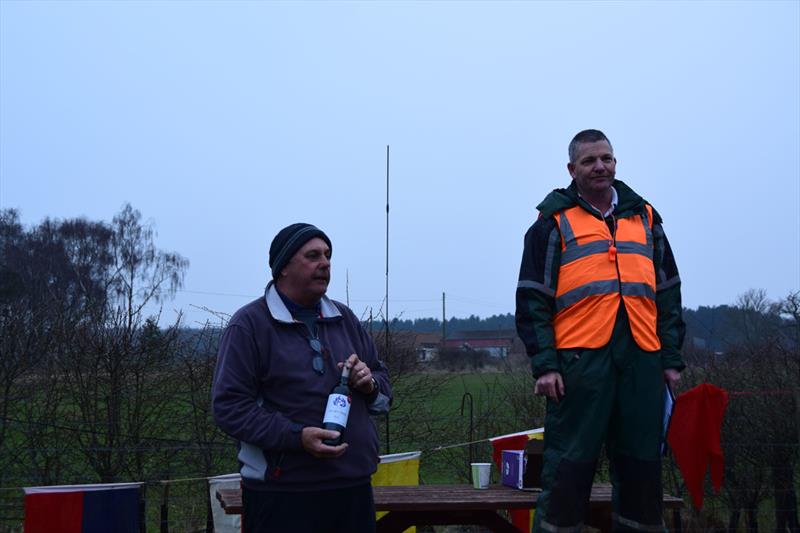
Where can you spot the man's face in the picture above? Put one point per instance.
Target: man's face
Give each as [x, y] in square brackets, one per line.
[594, 168]
[305, 278]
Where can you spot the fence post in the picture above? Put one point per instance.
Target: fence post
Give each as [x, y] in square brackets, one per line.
[209, 512]
[468, 396]
[142, 509]
[165, 509]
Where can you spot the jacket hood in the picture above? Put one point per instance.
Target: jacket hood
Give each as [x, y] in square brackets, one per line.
[559, 199]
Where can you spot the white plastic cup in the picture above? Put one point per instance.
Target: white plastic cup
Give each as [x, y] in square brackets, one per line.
[481, 472]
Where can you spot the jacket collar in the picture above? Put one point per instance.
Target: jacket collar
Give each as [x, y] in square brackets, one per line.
[281, 313]
[629, 201]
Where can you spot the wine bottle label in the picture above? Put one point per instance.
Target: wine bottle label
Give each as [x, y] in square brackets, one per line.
[337, 410]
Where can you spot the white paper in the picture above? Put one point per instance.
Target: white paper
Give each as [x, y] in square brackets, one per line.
[669, 405]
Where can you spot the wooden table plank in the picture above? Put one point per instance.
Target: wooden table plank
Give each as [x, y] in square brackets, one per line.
[231, 500]
[434, 497]
[451, 498]
[399, 521]
[460, 504]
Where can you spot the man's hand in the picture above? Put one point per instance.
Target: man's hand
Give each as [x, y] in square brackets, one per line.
[671, 377]
[550, 385]
[360, 375]
[312, 438]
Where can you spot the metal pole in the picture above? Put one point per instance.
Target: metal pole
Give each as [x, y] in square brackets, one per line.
[387, 248]
[386, 332]
[165, 509]
[444, 322]
[468, 396]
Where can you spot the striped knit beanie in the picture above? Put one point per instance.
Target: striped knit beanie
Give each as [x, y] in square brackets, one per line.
[288, 241]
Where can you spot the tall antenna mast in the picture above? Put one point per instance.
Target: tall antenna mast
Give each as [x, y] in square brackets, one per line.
[387, 249]
[386, 354]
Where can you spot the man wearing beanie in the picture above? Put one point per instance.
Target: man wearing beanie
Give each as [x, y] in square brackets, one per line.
[279, 358]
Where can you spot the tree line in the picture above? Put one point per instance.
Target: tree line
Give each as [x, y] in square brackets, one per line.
[713, 328]
[88, 375]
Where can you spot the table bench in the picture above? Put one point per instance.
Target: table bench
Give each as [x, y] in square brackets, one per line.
[419, 505]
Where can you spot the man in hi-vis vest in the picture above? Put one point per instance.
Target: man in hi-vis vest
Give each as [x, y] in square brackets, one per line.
[599, 311]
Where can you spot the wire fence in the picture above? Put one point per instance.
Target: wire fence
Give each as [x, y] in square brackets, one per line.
[184, 504]
[759, 492]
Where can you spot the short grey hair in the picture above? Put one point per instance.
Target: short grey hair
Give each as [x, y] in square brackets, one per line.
[586, 136]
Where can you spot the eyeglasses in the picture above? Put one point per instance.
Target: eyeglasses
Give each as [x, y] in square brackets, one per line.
[317, 363]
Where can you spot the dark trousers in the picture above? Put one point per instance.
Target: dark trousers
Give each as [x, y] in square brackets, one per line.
[350, 510]
[614, 395]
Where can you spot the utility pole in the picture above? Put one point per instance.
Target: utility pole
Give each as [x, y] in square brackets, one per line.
[444, 321]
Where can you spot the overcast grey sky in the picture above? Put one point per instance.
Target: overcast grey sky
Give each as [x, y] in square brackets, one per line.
[224, 122]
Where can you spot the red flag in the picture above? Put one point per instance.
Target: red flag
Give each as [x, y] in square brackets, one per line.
[694, 436]
[54, 512]
[514, 442]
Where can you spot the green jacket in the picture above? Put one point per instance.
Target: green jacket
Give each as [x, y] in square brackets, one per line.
[538, 279]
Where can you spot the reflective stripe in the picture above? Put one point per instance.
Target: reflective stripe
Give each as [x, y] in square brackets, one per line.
[667, 284]
[566, 230]
[547, 526]
[633, 524]
[574, 252]
[647, 231]
[577, 294]
[638, 289]
[528, 284]
[659, 254]
[630, 247]
[553, 244]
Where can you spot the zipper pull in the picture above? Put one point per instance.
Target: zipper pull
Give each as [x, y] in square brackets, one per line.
[612, 252]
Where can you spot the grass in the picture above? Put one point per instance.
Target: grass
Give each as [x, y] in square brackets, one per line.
[439, 424]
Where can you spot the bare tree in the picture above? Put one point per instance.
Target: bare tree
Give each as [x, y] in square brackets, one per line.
[118, 368]
[196, 363]
[413, 416]
[47, 282]
[761, 365]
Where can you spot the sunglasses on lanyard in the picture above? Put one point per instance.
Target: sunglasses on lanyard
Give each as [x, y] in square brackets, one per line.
[318, 363]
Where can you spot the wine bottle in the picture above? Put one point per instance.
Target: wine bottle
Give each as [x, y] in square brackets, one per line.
[338, 408]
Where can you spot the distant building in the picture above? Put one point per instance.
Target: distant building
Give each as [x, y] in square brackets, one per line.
[498, 343]
[427, 346]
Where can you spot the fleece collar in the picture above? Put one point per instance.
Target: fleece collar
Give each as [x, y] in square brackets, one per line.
[281, 313]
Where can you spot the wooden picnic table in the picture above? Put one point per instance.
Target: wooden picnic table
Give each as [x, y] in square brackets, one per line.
[417, 505]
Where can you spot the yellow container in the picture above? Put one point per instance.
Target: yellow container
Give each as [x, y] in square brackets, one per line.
[397, 469]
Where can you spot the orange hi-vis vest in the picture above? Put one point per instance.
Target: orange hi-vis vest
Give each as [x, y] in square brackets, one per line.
[597, 270]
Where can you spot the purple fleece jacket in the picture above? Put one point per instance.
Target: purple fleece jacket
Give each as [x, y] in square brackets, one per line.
[265, 391]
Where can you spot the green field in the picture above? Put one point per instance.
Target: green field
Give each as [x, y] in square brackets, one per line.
[427, 416]
[433, 415]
